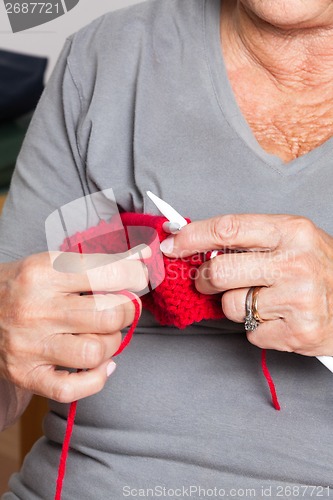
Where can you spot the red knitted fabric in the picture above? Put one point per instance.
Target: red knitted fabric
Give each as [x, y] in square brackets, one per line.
[175, 302]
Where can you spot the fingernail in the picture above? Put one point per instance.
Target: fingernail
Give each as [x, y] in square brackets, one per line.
[110, 368]
[167, 245]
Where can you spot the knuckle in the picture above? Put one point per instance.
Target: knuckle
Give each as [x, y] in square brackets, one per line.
[109, 275]
[14, 315]
[117, 340]
[12, 345]
[100, 382]
[305, 335]
[290, 346]
[305, 338]
[305, 230]
[137, 273]
[216, 274]
[133, 273]
[29, 272]
[311, 337]
[112, 319]
[92, 353]
[30, 379]
[142, 278]
[12, 373]
[225, 228]
[114, 274]
[292, 340]
[22, 313]
[229, 305]
[64, 393]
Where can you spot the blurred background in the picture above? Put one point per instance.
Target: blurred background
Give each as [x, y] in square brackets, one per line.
[26, 62]
[47, 40]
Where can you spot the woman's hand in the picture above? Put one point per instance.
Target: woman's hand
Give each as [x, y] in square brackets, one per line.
[45, 322]
[288, 256]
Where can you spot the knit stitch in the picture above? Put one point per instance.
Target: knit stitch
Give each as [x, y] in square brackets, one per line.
[175, 301]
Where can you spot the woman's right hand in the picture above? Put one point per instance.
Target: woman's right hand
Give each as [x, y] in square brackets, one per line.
[45, 323]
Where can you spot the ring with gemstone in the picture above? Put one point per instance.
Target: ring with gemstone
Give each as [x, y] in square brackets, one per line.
[251, 323]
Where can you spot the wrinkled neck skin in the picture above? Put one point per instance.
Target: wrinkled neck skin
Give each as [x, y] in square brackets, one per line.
[295, 55]
[281, 74]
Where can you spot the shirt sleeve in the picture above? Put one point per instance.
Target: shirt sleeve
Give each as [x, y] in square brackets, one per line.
[49, 171]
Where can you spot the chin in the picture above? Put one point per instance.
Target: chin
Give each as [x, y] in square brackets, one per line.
[291, 13]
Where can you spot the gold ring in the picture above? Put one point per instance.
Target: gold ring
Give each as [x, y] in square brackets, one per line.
[255, 311]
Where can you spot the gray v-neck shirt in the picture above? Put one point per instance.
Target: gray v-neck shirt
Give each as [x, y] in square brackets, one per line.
[140, 99]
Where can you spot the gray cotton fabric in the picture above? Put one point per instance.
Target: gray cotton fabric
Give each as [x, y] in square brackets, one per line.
[140, 100]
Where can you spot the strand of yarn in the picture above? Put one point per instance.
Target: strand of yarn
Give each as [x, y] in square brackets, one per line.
[269, 379]
[65, 449]
[73, 406]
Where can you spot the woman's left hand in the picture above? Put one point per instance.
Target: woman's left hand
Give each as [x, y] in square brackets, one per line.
[289, 256]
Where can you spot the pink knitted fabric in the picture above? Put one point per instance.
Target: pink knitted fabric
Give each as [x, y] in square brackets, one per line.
[175, 302]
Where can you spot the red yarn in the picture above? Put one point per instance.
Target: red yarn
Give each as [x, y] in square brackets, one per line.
[65, 449]
[128, 337]
[269, 379]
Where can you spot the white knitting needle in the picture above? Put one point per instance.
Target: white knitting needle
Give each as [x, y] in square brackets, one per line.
[176, 222]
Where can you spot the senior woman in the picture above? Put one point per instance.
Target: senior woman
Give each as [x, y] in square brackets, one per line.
[220, 108]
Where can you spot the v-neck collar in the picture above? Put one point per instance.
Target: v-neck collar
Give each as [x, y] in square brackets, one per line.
[229, 106]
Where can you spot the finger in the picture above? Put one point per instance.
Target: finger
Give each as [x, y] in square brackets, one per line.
[270, 304]
[237, 270]
[271, 335]
[246, 231]
[66, 387]
[123, 274]
[69, 262]
[100, 313]
[279, 335]
[80, 351]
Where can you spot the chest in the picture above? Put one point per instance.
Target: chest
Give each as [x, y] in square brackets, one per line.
[286, 124]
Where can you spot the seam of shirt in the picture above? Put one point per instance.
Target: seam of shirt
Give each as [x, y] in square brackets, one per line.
[7, 254]
[77, 88]
[83, 178]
